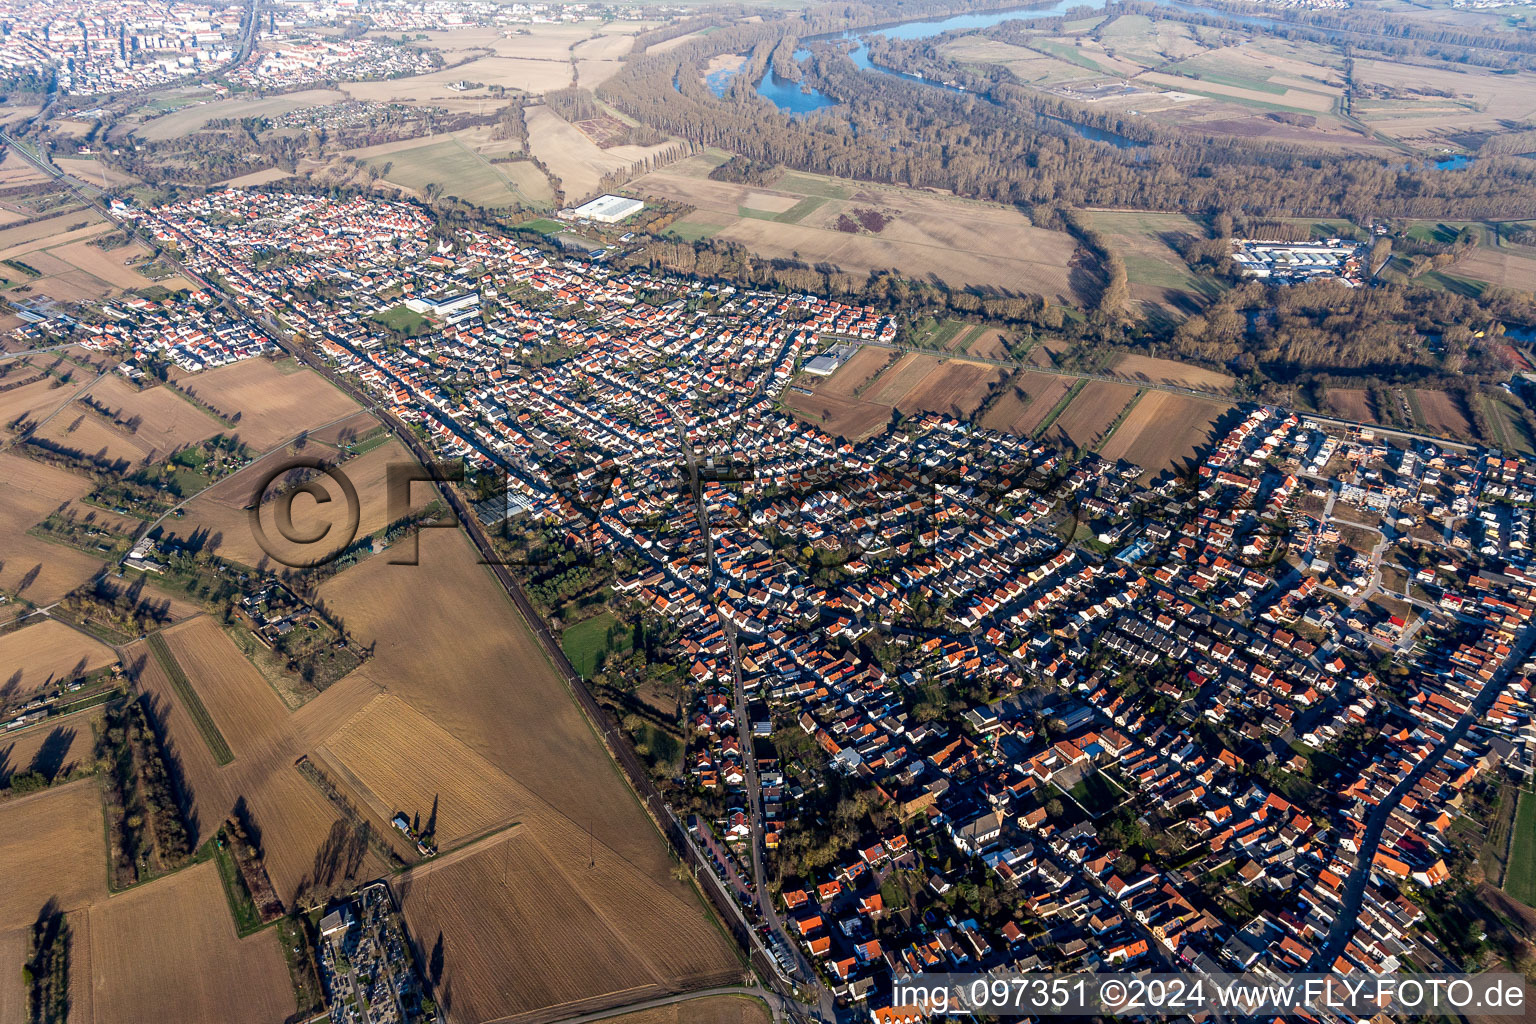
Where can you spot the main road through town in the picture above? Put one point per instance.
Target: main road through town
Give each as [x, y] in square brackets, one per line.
[805, 970]
[1345, 921]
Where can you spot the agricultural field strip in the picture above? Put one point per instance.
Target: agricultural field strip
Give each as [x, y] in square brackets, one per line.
[1015, 364]
[191, 702]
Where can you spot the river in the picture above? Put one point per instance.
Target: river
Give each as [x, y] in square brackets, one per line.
[797, 99]
[793, 98]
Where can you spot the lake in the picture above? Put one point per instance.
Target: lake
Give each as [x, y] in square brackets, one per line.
[719, 81]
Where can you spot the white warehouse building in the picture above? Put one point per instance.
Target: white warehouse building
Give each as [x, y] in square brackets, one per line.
[605, 209]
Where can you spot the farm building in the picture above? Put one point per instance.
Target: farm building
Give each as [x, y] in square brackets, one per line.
[604, 209]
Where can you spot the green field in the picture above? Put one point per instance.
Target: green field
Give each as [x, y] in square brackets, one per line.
[586, 643]
[1096, 794]
[1509, 428]
[530, 183]
[1216, 73]
[1143, 241]
[812, 185]
[1071, 55]
[543, 225]
[1520, 880]
[456, 169]
[789, 216]
[400, 318]
[688, 231]
[941, 334]
[1445, 233]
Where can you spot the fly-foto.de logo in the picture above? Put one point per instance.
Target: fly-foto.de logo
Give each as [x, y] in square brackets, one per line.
[307, 512]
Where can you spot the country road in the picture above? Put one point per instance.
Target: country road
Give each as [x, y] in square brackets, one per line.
[775, 1004]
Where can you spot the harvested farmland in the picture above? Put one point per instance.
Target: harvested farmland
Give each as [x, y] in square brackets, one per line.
[604, 933]
[31, 402]
[576, 160]
[37, 569]
[222, 514]
[406, 764]
[55, 747]
[295, 821]
[449, 644]
[1350, 404]
[1164, 431]
[210, 795]
[167, 951]
[903, 375]
[1153, 370]
[962, 243]
[1443, 414]
[706, 1010]
[269, 401]
[51, 848]
[245, 710]
[1090, 414]
[149, 424]
[79, 431]
[190, 700]
[107, 265]
[842, 417]
[14, 949]
[954, 389]
[988, 344]
[1026, 402]
[50, 231]
[856, 372]
[349, 430]
[47, 652]
[1506, 267]
[306, 841]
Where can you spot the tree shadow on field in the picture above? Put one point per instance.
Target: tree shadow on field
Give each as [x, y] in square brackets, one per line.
[49, 759]
[337, 859]
[242, 815]
[30, 578]
[435, 962]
